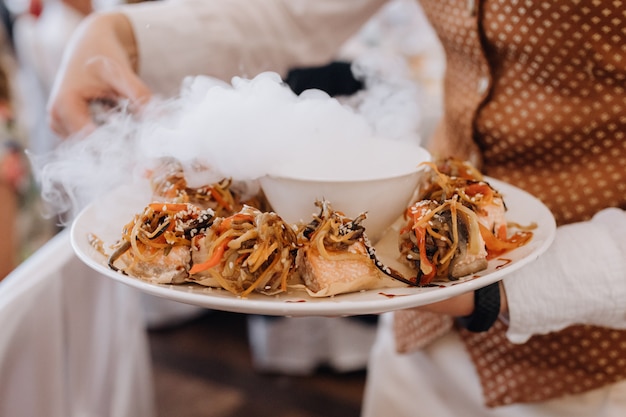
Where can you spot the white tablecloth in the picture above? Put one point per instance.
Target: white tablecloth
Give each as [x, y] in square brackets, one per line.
[73, 343]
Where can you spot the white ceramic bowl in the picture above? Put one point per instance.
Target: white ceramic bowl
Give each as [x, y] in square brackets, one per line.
[378, 179]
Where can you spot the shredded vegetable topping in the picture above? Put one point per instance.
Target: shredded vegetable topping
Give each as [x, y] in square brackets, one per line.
[169, 184]
[248, 251]
[331, 233]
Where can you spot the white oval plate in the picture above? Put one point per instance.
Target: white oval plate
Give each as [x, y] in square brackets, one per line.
[106, 218]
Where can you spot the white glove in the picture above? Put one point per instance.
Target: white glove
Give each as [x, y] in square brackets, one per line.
[580, 279]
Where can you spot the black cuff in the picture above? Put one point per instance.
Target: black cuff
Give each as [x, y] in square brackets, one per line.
[486, 309]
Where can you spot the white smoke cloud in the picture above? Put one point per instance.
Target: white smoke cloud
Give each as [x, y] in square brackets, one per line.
[244, 129]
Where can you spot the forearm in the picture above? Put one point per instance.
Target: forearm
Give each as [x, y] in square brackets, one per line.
[113, 26]
[123, 31]
[581, 279]
[239, 37]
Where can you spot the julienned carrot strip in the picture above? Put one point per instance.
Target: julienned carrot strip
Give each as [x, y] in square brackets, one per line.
[478, 188]
[501, 232]
[168, 206]
[496, 246]
[225, 224]
[214, 260]
[220, 200]
[426, 266]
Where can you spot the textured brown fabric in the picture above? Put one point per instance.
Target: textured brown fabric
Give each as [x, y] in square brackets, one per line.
[556, 123]
[544, 106]
[464, 83]
[572, 361]
[416, 329]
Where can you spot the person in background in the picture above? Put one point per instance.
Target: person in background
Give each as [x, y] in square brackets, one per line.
[14, 173]
[10, 176]
[533, 95]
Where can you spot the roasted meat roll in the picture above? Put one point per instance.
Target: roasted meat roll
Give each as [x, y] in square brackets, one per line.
[155, 245]
[456, 226]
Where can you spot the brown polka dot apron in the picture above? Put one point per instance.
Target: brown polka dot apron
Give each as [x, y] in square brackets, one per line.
[535, 94]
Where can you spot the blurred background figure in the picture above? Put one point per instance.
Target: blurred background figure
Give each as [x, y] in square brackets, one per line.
[14, 177]
[10, 173]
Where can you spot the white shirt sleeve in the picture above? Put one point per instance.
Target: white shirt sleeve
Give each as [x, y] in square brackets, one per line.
[224, 38]
[581, 279]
